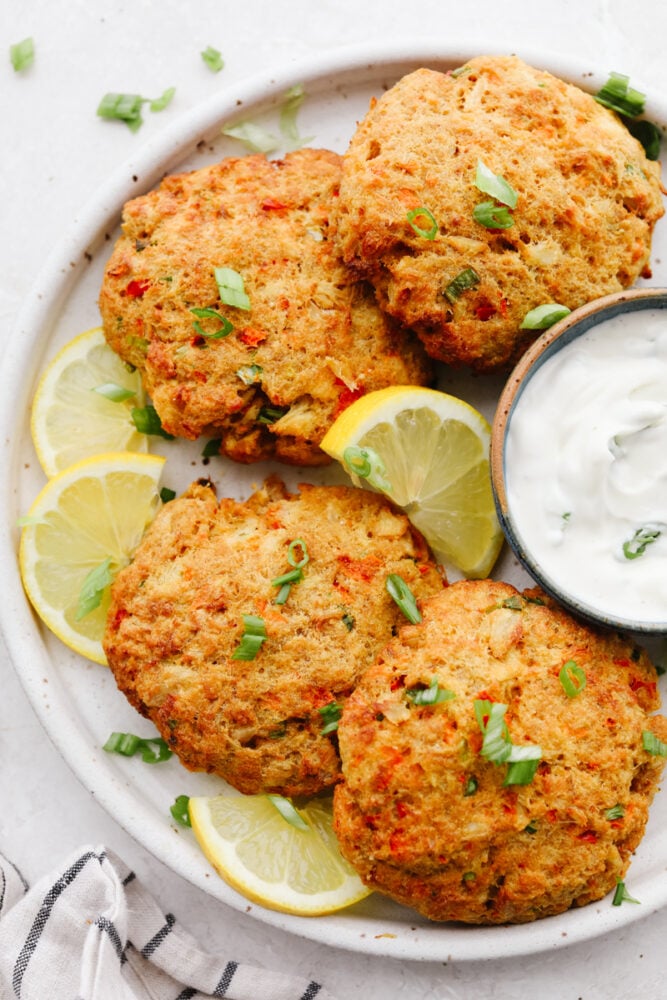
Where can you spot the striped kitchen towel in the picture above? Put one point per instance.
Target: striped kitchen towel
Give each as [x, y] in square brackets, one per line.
[91, 931]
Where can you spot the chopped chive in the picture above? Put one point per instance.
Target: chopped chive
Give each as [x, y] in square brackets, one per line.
[283, 594]
[618, 95]
[213, 59]
[514, 603]
[92, 589]
[463, 281]
[122, 107]
[147, 420]
[399, 591]
[492, 216]
[642, 537]
[288, 812]
[616, 812]
[544, 316]
[432, 695]
[254, 635]
[271, 414]
[495, 185]
[114, 392]
[430, 231]
[230, 288]
[648, 134]
[367, 464]
[653, 744]
[470, 787]
[22, 54]
[621, 895]
[572, 679]
[160, 103]
[179, 809]
[348, 621]
[211, 448]
[331, 714]
[531, 827]
[153, 749]
[293, 560]
[167, 495]
[223, 330]
[294, 576]
[497, 746]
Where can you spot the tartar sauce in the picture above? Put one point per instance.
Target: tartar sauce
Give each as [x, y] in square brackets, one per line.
[586, 467]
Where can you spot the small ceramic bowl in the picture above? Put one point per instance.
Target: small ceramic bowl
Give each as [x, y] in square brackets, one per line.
[562, 578]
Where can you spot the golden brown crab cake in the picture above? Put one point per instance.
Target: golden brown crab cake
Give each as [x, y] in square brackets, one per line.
[177, 618]
[312, 340]
[425, 811]
[587, 202]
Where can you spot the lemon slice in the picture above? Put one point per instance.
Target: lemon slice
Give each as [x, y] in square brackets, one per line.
[93, 513]
[433, 452]
[71, 418]
[269, 860]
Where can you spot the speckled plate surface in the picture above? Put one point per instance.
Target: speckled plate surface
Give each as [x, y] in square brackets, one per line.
[76, 701]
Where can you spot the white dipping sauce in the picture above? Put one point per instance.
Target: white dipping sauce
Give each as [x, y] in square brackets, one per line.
[586, 467]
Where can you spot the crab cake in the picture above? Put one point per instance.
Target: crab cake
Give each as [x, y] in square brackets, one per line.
[426, 813]
[269, 375]
[179, 611]
[587, 199]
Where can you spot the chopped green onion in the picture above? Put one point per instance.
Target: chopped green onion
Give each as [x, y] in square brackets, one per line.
[153, 749]
[495, 185]
[513, 603]
[464, 280]
[211, 448]
[122, 107]
[470, 787]
[254, 635]
[653, 744]
[293, 560]
[348, 621]
[294, 576]
[179, 809]
[230, 288]
[367, 464]
[621, 895]
[223, 330]
[271, 414]
[160, 103]
[288, 812]
[254, 137]
[92, 589]
[283, 594]
[213, 59]
[279, 732]
[531, 827]
[497, 745]
[288, 112]
[619, 96]
[492, 216]
[572, 678]
[22, 54]
[146, 419]
[398, 589]
[648, 134]
[249, 374]
[331, 714]
[544, 316]
[642, 537]
[432, 695]
[114, 392]
[616, 812]
[459, 71]
[167, 495]
[428, 232]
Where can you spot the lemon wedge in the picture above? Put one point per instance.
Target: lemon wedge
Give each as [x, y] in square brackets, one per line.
[83, 405]
[87, 520]
[429, 453]
[289, 864]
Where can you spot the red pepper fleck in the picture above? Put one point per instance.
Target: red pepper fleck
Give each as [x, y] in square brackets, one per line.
[622, 662]
[252, 337]
[485, 311]
[346, 397]
[136, 288]
[270, 204]
[552, 815]
[503, 307]
[402, 810]
[589, 837]
[637, 683]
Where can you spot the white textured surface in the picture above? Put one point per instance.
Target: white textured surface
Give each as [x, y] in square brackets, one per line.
[56, 153]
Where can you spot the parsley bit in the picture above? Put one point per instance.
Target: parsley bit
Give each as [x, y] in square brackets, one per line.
[22, 54]
[213, 59]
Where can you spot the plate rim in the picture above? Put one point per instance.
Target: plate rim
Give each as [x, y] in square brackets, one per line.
[51, 289]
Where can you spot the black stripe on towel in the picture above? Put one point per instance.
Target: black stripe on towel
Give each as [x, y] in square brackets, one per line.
[151, 946]
[109, 929]
[43, 914]
[311, 991]
[225, 979]
[187, 993]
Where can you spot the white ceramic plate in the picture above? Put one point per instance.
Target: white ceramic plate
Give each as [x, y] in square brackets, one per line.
[80, 706]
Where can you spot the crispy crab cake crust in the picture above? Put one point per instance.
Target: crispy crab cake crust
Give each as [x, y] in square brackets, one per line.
[176, 618]
[588, 199]
[426, 820]
[313, 339]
